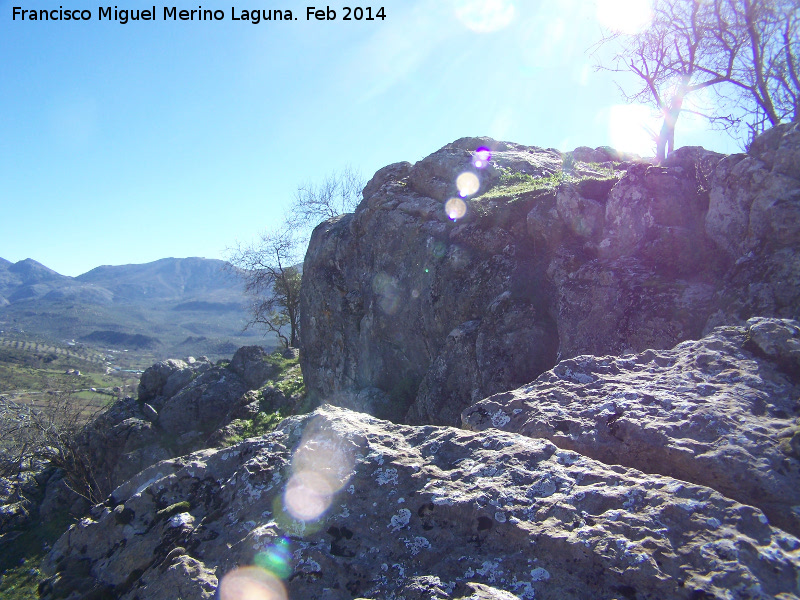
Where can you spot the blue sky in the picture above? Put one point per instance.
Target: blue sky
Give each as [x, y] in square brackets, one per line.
[129, 143]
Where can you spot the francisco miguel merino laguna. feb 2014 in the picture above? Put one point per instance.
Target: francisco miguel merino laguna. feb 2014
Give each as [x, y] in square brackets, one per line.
[172, 13]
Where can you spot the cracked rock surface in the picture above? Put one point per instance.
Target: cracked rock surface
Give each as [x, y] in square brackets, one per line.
[721, 412]
[421, 512]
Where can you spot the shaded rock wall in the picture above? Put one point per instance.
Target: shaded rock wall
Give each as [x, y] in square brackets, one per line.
[558, 255]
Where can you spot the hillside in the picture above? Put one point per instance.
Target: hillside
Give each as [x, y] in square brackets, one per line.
[576, 377]
[168, 279]
[168, 307]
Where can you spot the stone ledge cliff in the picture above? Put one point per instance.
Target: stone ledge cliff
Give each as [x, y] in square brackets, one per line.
[412, 316]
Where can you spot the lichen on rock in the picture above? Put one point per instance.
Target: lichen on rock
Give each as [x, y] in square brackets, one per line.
[555, 257]
[570, 529]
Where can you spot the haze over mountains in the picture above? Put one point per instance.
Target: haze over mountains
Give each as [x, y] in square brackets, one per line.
[172, 306]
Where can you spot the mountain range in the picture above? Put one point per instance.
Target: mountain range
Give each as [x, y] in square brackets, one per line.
[172, 306]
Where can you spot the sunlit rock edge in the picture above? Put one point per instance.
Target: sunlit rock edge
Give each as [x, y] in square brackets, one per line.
[422, 512]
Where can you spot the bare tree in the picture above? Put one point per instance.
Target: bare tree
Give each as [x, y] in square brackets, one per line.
[746, 50]
[765, 79]
[51, 434]
[271, 274]
[271, 267]
[339, 193]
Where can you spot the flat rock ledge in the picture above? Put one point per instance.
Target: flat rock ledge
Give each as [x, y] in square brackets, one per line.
[721, 412]
[420, 512]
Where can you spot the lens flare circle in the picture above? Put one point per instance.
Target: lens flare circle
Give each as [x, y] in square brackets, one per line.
[455, 208]
[321, 465]
[481, 157]
[308, 495]
[276, 559]
[251, 583]
[485, 16]
[625, 16]
[467, 184]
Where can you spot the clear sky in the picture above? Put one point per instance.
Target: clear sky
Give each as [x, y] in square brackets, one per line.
[129, 143]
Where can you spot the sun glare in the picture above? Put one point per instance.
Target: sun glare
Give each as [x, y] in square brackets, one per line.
[631, 127]
[625, 16]
[485, 16]
[308, 495]
[321, 465]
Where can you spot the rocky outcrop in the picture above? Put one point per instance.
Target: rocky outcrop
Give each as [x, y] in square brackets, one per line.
[557, 255]
[180, 406]
[340, 505]
[635, 459]
[721, 412]
[15, 503]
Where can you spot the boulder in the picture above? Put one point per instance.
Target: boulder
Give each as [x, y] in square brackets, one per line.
[15, 508]
[755, 198]
[435, 176]
[494, 354]
[250, 364]
[182, 407]
[391, 173]
[623, 305]
[201, 405]
[121, 442]
[340, 505]
[657, 214]
[164, 379]
[600, 257]
[721, 412]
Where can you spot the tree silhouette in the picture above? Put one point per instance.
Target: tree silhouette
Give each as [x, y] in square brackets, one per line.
[745, 50]
[271, 267]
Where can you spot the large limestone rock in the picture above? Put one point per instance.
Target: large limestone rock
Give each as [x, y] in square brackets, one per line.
[723, 412]
[622, 257]
[754, 216]
[755, 197]
[165, 378]
[251, 365]
[417, 512]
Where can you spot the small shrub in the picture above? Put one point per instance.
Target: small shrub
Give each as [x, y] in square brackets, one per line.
[513, 184]
[173, 509]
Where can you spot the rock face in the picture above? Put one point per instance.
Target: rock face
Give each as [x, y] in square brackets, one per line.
[721, 412]
[180, 405]
[558, 255]
[647, 317]
[417, 512]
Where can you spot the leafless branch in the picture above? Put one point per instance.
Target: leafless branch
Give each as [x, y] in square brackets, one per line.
[50, 434]
[747, 50]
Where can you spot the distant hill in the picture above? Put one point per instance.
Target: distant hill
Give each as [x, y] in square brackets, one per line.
[179, 279]
[172, 306]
